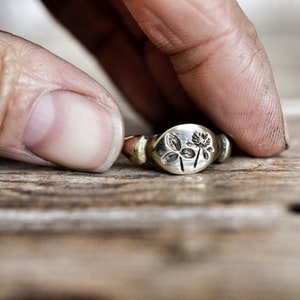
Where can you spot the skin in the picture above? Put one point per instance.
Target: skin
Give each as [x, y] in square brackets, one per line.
[175, 61]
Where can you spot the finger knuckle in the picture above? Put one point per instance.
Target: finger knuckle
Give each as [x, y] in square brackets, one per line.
[7, 78]
[9, 84]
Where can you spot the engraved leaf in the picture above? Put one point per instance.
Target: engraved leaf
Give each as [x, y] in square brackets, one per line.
[210, 149]
[188, 153]
[173, 142]
[169, 157]
[205, 154]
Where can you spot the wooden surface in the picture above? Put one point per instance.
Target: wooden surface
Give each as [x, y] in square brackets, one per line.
[231, 232]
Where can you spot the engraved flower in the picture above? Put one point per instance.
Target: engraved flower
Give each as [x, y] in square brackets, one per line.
[174, 144]
[203, 142]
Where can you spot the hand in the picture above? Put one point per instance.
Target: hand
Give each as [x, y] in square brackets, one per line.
[52, 113]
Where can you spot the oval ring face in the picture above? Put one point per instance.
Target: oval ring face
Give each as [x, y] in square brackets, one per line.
[185, 149]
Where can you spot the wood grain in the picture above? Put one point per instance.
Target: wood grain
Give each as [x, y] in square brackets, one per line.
[231, 232]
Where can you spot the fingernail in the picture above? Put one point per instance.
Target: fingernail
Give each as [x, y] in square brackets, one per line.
[74, 131]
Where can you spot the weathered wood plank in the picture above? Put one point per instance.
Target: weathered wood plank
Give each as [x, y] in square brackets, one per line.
[175, 263]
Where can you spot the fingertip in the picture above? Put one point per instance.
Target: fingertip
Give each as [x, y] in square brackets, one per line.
[264, 135]
[73, 131]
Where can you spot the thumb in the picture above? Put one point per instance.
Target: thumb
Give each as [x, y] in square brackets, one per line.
[221, 64]
[52, 113]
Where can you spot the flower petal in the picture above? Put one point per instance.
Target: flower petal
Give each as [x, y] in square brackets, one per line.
[207, 142]
[204, 136]
[196, 138]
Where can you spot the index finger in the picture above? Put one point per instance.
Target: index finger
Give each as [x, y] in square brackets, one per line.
[221, 64]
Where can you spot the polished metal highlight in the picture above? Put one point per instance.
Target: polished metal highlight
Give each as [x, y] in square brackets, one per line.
[182, 149]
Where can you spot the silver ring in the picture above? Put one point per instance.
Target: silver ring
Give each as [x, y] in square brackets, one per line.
[182, 149]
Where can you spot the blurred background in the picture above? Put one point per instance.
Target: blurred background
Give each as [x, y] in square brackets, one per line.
[277, 22]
